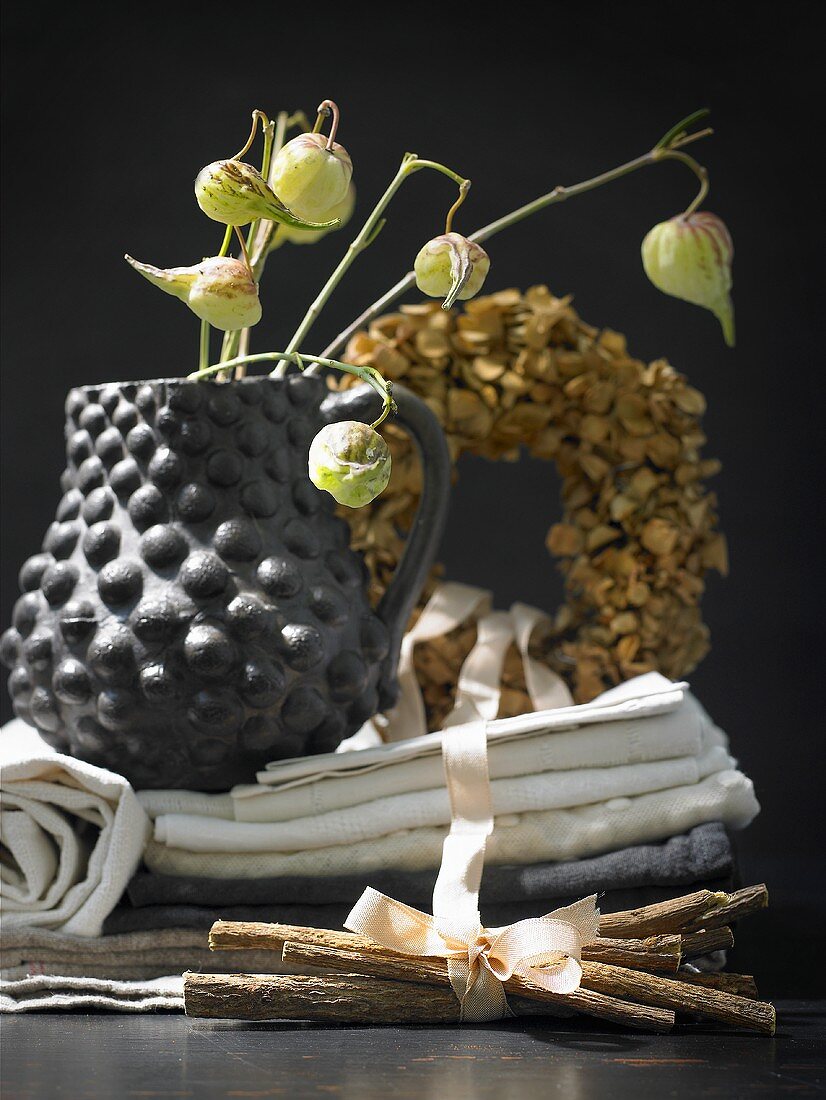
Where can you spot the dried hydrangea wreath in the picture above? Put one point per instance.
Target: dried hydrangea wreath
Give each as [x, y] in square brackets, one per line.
[638, 529]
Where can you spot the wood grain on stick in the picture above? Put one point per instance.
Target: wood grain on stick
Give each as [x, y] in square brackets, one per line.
[343, 999]
[743, 985]
[742, 903]
[621, 984]
[663, 916]
[656, 953]
[690, 913]
[712, 1004]
[695, 944]
[359, 998]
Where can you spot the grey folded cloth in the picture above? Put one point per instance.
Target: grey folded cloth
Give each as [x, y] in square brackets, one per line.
[703, 853]
[136, 955]
[126, 919]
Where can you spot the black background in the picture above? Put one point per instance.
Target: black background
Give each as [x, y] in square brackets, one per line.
[109, 114]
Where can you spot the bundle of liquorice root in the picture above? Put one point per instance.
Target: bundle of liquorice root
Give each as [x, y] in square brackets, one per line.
[636, 974]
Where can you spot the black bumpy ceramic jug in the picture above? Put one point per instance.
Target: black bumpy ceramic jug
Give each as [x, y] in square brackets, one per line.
[197, 609]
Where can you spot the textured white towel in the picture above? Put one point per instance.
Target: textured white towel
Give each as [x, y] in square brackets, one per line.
[641, 697]
[186, 802]
[726, 796]
[607, 745]
[74, 835]
[421, 809]
[53, 993]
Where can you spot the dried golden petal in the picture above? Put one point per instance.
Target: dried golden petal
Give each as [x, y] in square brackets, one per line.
[432, 344]
[632, 450]
[599, 397]
[474, 338]
[564, 540]
[505, 299]
[488, 369]
[686, 472]
[419, 309]
[547, 443]
[663, 450]
[595, 467]
[390, 363]
[627, 648]
[360, 344]
[524, 420]
[613, 342]
[622, 507]
[468, 413]
[715, 554]
[594, 428]
[638, 593]
[542, 393]
[630, 406]
[709, 467]
[625, 623]
[490, 395]
[697, 513]
[643, 482]
[600, 536]
[517, 385]
[644, 426]
[659, 536]
[577, 495]
[691, 401]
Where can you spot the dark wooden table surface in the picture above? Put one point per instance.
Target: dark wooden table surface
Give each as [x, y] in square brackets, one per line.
[109, 1057]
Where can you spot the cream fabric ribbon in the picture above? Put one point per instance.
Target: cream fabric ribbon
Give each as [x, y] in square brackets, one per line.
[479, 686]
[547, 950]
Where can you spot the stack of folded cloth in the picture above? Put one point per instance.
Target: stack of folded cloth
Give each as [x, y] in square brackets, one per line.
[630, 796]
[105, 892]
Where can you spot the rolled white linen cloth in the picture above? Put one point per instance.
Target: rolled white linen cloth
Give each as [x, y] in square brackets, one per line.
[73, 833]
[422, 809]
[161, 801]
[604, 745]
[726, 796]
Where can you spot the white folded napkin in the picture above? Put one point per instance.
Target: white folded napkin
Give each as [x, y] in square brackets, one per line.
[726, 796]
[641, 697]
[74, 834]
[421, 809]
[620, 744]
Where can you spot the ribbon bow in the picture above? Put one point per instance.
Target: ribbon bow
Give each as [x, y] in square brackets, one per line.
[545, 950]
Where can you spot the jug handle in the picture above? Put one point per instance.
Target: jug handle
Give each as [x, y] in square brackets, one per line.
[396, 606]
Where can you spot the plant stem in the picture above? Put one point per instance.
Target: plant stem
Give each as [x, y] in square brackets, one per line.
[243, 244]
[559, 194]
[367, 374]
[410, 164]
[699, 171]
[324, 108]
[244, 338]
[263, 245]
[203, 354]
[265, 168]
[256, 117]
[463, 190]
[226, 242]
[272, 143]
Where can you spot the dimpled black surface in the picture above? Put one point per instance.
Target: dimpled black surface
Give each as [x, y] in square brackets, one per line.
[196, 609]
